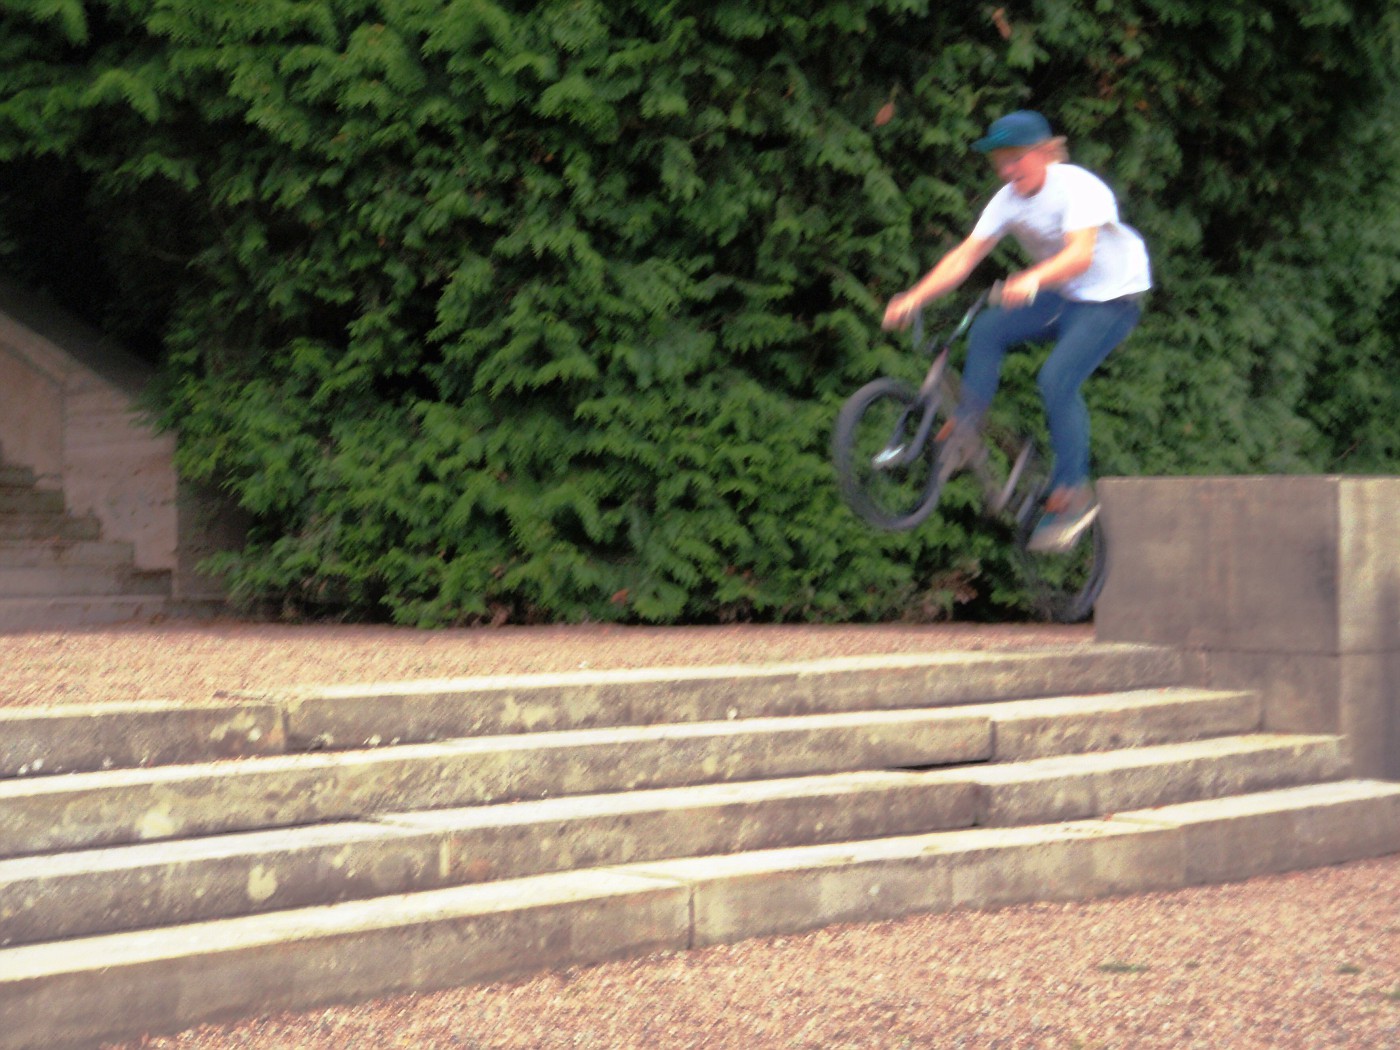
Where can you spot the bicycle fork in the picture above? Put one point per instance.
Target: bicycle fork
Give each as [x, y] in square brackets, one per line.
[999, 500]
[901, 450]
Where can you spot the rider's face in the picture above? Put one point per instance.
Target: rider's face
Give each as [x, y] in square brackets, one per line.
[1022, 168]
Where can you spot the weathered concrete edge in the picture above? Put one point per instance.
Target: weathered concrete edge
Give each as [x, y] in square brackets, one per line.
[77, 894]
[85, 893]
[788, 891]
[352, 716]
[1268, 833]
[80, 738]
[472, 934]
[128, 985]
[91, 810]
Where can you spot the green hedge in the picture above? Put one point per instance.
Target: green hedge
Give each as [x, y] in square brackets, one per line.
[542, 311]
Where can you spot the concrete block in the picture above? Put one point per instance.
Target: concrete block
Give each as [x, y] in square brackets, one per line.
[16, 500]
[1356, 695]
[1369, 565]
[1369, 713]
[1290, 585]
[1273, 564]
[57, 582]
[1298, 690]
[49, 527]
[1225, 563]
[996, 867]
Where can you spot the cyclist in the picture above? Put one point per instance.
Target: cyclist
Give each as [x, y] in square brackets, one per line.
[1084, 289]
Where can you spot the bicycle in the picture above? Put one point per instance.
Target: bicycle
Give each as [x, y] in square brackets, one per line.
[890, 474]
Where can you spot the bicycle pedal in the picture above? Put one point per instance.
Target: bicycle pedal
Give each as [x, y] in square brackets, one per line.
[961, 460]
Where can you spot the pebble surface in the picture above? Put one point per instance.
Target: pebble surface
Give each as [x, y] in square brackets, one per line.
[1305, 960]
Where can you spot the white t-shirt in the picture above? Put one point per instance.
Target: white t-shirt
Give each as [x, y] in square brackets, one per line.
[1072, 198]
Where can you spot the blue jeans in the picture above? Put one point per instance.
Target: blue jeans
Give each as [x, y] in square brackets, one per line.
[1084, 333]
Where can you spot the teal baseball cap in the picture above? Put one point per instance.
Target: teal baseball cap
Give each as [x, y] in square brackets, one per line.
[1025, 127]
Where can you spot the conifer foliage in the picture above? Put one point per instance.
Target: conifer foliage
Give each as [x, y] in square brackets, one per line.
[493, 310]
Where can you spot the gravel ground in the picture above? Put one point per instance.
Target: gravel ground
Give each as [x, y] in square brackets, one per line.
[1308, 960]
[1303, 961]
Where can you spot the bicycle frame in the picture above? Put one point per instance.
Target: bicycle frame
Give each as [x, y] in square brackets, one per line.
[899, 486]
[900, 452]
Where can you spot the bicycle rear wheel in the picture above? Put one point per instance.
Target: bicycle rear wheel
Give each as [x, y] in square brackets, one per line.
[888, 484]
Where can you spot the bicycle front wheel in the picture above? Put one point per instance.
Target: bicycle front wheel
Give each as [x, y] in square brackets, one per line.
[888, 483]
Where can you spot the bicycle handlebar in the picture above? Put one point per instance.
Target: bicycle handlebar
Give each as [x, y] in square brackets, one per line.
[983, 299]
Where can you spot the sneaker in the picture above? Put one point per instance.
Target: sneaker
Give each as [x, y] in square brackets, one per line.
[1068, 514]
[958, 446]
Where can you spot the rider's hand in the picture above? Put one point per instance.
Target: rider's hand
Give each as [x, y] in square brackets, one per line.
[899, 312]
[1019, 290]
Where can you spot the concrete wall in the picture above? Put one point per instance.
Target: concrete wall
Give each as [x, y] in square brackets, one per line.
[69, 411]
[1287, 584]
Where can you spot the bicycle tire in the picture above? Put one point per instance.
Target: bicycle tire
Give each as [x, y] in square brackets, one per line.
[1063, 588]
[896, 498]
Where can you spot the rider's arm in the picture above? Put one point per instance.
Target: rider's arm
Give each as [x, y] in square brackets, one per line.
[1065, 265]
[947, 274]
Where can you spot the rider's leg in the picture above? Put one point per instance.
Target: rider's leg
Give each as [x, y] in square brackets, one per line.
[993, 333]
[1088, 332]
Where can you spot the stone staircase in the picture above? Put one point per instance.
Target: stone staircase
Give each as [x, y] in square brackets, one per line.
[55, 568]
[164, 865]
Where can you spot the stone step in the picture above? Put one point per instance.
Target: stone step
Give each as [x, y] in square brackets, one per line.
[75, 993]
[1025, 729]
[16, 477]
[785, 891]
[20, 614]
[17, 499]
[1242, 836]
[76, 581]
[325, 786]
[38, 526]
[349, 785]
[1073, 787]
[79, 810]
[79, 892]
[1071, 725]
[159, 884]
[75, 738]
[81, 555]
[357, 715]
